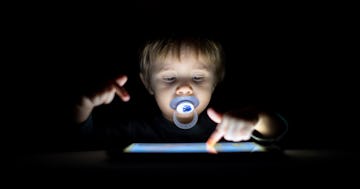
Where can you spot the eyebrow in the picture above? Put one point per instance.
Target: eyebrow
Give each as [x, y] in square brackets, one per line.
[165, 68]
[205, 66]
[201, 66]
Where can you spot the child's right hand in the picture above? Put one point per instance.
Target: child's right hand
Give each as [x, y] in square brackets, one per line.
[104, 95]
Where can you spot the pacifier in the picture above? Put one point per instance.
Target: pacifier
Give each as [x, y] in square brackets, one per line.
[185, 116]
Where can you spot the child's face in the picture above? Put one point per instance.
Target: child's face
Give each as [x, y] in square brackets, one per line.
[190, 75]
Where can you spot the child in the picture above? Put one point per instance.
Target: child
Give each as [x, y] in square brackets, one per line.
[181, 74]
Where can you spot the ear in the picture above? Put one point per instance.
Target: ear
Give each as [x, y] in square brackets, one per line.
[213, 87]
[146, 84]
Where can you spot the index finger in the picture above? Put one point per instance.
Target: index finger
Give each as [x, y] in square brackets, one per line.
[120, 90]
[215, 137]
[122, 93]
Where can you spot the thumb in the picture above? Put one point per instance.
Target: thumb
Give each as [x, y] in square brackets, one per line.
[215, 116]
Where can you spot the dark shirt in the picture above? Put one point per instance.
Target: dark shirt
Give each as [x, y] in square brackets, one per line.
[145, 129]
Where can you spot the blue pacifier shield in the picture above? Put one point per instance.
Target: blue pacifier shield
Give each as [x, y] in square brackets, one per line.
[185, 105]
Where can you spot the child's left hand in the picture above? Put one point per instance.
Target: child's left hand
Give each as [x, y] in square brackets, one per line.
[231, 126]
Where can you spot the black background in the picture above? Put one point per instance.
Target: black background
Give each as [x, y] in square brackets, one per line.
[296, 58]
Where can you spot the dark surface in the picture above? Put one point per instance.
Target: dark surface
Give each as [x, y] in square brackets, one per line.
[315, 166]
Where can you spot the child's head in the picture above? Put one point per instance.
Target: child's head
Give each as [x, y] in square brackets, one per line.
[181, 67]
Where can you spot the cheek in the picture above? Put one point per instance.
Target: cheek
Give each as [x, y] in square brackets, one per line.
[163, 101]
[204, 99]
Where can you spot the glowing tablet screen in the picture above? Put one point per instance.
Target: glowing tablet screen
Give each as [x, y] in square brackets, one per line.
[193, 147]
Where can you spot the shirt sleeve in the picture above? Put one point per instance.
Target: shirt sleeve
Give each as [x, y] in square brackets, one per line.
[257, 136]
[87, 127]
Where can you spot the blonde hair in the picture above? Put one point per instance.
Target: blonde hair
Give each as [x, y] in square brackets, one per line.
[158, 49]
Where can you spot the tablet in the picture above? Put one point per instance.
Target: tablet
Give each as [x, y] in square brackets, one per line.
[197, 147]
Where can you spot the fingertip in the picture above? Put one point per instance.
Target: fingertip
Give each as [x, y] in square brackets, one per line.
[126, 98]
[211, 149]
[122, 93]
[121, 80]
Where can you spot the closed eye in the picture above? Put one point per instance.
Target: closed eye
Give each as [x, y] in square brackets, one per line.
[198, 79]
[169, 79]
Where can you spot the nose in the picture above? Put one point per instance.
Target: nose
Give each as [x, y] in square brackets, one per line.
[185, 89]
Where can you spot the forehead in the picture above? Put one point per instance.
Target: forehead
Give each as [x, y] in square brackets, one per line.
[196, 60]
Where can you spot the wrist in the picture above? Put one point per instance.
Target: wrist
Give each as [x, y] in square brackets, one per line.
[82, 109]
